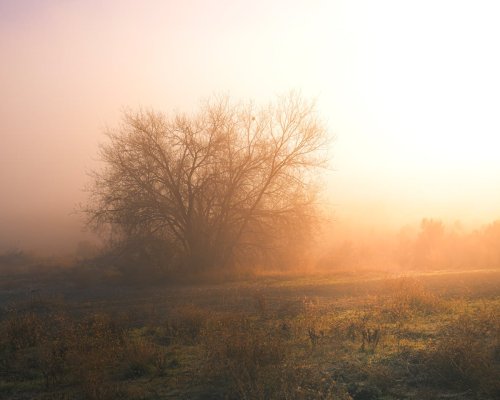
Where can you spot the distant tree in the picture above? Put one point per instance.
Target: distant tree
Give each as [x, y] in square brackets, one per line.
[429, 246]
[231, 184]
[491, 244]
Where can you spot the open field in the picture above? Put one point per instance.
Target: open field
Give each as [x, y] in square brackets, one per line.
[363, 336]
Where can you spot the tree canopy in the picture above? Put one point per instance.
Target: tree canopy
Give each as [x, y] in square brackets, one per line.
[232, 184]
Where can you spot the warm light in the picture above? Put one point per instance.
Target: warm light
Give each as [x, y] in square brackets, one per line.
[411, 92]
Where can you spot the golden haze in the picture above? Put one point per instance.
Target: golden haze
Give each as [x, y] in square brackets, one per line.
[409, 91]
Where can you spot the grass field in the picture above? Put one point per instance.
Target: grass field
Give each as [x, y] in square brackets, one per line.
[365, 335]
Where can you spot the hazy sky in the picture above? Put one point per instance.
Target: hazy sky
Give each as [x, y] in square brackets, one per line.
[410, 90]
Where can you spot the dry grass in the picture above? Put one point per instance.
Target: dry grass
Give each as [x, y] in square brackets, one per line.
[467, 355]
[406, 342]
[255, 361]
[184, 324]
[405, 297]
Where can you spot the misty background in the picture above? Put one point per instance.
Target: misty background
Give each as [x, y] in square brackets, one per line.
[410, 93]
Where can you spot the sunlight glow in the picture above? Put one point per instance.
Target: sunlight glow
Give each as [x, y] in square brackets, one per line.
[410, 92]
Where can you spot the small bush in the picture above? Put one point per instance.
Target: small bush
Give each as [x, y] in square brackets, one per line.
[94, 386]
[160, 361]
[24, 330]
[361, 328]
[407, 297]
[52, 361]
[185, 325]
[250, 360]
[139, 356]
[466, 356]
[245, 356]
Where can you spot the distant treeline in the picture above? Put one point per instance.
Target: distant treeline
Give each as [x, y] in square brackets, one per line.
[432, 246]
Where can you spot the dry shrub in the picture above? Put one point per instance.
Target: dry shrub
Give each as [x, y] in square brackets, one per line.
[98, 331]
[62, 350]
[22, 335]
[94, 386]
[81, 351]
[291, 309]
[88, 355]
[143, 356]
[138, 357]
[250, 360]
[467, 355]
[185, 324]
[34, 345]
[53, 361]
[408, 296]
[160, 361]
[306, 382]
[361, 327]
[101, 330]
[246, 357]
[380, 376]
[368, 331]
[23, 330]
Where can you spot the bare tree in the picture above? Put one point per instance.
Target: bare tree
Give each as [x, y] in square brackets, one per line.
[231, 184]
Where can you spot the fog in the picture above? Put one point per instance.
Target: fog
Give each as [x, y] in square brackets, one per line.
[410, 94]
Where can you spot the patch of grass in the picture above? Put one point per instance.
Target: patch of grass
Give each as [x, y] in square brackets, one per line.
[406, 297]
[288, 342]
[255, 361]
[23, 330]
[184, 325]
[467, 355]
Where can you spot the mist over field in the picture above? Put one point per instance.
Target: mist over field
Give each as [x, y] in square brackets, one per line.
[249, 200]
[413, 127]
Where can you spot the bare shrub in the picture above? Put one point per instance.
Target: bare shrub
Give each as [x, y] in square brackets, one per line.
[247, 357]
[23, 330]
[99, 332]
[362, 328]
[292, 308]
[52, 361]
[142, 357]
[160, 361]
[138, 357]
[306, 382]
[185, 324]
[94, 386]
[250, 360]
[407, 297]
[466, 355]
[97, 350]
[314, 336]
